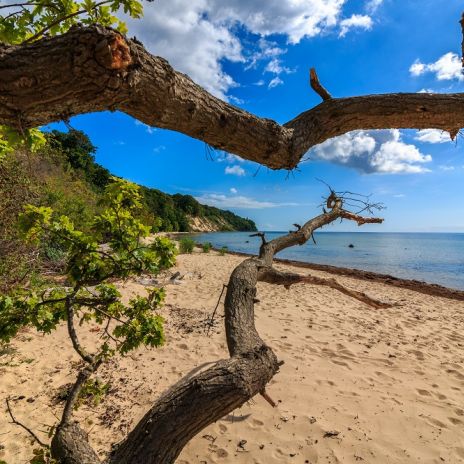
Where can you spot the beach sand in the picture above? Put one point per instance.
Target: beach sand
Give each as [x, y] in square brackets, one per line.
[358, 384]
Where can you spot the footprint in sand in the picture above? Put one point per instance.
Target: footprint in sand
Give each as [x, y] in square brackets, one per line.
[222, 453]
[423, 392]
[341, 363]
[455, 421]
[436, 422]
[222, 428]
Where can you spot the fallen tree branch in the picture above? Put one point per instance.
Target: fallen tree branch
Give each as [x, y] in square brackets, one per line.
[273, 276]
[91, 69]
[27, 429]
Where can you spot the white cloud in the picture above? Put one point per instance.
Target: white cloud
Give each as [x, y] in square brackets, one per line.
[233, 190]
[295, 18]
[265, 50]
[159, 149]
[373, 5]
[446, 168]
[196, 36]
[275, 66]
[433, 136]
[355, 21]
[427, 91]
[180, 32]
[224, 157]
[150, 130]
[235, 170]
[373, 152]
[446, 68]
[275, 82]
[224, 201]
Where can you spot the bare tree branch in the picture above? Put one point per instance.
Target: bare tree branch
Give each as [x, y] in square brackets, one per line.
[27, 429]
[317, 86]
[95, 69]
[272, 276]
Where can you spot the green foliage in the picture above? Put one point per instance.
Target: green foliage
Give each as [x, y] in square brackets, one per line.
[79, 152]
[41, 456]
[93, 390]
[117, 248]
[11, 140]
[186, 245]
[223, 250]
[31, 20]
[206, 247]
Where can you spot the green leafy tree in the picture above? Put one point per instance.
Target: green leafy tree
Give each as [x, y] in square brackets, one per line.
[117, 248]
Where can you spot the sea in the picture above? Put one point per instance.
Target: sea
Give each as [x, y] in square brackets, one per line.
[430, 257]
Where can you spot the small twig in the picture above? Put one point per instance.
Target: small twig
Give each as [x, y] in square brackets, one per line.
[317, 86]
[211, 321]
[312, 236]
[260, 234]
[27, 429]
[264, 394]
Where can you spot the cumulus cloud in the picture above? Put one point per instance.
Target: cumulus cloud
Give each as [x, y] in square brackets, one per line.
[295, 19]
[373, 152]
[196, 36]
[224, 201]
[446, 68]
[233, 190]
[355, 21]
[433, 136]
[235, 170]
[179, 31]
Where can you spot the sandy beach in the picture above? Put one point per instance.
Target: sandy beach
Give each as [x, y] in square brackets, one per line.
[358, 384]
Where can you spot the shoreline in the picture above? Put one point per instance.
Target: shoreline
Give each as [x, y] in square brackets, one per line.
[420, 286]
[408, 284]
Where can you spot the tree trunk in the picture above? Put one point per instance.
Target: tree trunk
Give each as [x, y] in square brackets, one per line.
[95, 69]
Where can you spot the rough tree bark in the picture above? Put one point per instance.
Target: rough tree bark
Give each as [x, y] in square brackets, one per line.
[195, 402]
[96, 69]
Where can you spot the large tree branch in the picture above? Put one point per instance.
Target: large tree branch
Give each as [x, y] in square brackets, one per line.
[96, 69]
[287, 279]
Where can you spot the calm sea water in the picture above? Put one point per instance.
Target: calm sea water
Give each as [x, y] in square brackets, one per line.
[434, 258]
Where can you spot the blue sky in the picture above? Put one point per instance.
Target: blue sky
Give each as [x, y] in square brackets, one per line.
[256, 54]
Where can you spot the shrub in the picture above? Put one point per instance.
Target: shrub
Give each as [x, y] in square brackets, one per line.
[186, 245]
[207, 247]
[223, 250]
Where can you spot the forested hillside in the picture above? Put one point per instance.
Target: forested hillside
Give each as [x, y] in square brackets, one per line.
[174, 211]
[65, 177]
